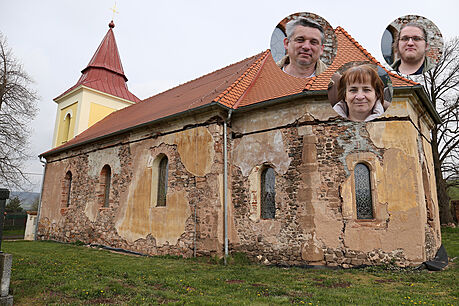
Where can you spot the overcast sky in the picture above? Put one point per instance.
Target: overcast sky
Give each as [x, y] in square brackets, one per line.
[166, 43]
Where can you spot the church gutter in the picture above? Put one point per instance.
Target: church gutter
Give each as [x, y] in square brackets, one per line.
[126, 130]
[189, 111]
[419, 90]
[275, 101]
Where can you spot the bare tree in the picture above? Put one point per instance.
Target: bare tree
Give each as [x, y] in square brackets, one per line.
[442, 85]
[17, 109]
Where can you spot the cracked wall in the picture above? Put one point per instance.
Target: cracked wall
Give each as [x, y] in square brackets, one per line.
[313, 153]
[133, 221]
[316, 221]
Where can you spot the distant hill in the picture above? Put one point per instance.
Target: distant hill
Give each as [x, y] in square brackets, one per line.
[26, 198]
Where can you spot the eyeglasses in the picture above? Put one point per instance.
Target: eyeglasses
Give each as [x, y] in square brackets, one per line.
[413, 38]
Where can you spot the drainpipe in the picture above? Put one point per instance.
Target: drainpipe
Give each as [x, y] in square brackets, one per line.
[194, 235]
[43, 161]
[225, 181]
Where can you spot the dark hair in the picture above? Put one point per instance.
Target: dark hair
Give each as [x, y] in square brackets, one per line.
[305, 22]
[361, 74]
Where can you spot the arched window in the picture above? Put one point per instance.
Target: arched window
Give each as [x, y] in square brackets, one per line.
[268, 193]
[104, 186]
[387, 44]
[66, 132]
[363, 198]
[277, 44]
[66, 189]
[162, 181]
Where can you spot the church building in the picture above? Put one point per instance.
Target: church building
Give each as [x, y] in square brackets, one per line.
[243, 159]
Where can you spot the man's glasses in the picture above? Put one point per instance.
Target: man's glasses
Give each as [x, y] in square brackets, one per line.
[413, 38]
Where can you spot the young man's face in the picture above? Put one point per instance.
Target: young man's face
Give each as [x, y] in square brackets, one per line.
[304, 47]
[412, 45]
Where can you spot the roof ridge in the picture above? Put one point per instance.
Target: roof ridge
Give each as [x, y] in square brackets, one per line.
[239, 80]
[215, 71]
[358, 45]
[372, 58]
[263, 61]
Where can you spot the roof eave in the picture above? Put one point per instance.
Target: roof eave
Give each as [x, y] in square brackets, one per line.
[303, 94]
[170, 117]
[94, 90]
[423, 97]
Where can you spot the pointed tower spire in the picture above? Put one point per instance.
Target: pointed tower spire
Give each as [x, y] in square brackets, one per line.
[107, 56]
[101, 90]
[105, 72]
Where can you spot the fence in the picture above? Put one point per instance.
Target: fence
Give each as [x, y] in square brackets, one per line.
[15, 221]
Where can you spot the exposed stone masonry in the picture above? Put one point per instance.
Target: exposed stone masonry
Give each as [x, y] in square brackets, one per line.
[202, 192]
[310, 224]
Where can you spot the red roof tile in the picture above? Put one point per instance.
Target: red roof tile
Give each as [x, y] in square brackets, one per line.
[349, 50]
[253, 80]
[193, 94]
[105, 72]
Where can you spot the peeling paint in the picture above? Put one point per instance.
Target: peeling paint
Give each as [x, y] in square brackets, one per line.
[400, 135]
[196, 149]
[100, 158]
[140, 218]
[267, 147]
[352, 141]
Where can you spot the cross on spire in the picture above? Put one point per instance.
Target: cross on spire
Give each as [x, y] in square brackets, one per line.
[113, 9]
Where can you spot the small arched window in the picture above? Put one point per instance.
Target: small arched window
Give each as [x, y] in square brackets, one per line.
[66, 132]
[163, 171]
[268, 193]
[104, 186]
[363, 197]
[67, 188]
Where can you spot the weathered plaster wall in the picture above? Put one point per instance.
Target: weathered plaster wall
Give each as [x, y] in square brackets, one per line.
[316, 219]
[313, 153]
[133, 221]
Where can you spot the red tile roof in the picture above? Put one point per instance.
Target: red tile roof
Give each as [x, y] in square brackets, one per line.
[253, 80]
[349, 50]
[105, 72]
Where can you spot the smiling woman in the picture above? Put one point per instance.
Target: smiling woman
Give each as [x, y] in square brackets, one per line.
[360, 93]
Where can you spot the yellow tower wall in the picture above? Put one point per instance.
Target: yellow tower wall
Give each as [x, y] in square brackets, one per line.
[86, 107]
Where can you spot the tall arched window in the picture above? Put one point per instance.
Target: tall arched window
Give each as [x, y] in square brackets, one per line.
[363, 198]
[163, 171]
[66, 189]
[268, 193]
[66, 132]
[104, 185]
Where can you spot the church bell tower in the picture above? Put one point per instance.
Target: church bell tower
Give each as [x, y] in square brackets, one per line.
[101, 90]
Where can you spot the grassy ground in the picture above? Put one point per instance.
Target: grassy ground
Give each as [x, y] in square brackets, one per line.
[53, 273]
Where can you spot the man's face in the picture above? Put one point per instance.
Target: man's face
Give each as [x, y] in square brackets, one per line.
[304, 47]
[410, 50]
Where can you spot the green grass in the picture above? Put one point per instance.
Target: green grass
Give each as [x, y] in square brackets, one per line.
[54, 273]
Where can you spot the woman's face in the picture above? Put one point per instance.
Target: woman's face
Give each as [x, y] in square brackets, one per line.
[360, 99]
